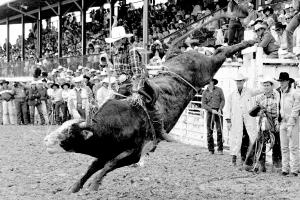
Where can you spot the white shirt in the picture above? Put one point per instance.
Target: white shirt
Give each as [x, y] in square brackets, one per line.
[103, 94]
[65, 94]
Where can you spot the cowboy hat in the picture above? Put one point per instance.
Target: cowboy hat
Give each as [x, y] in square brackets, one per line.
[77, 79]
[269, 9]
[284, 76]
[279, 26]
[80, 67]
[33, 82]
[287, 6]
[180, 22]
[96, 78]
[122, 78]
[54, 84]
[111, 80]
[269, 79]
[40, 81]
[4, 81]
[260, 9]
[118, 33]
[215, 81]
[259, 26]
[65, 83]
[103, 73]
[60, 67]
[240, 77]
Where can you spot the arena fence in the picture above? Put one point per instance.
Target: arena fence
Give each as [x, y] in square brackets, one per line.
[26, 68]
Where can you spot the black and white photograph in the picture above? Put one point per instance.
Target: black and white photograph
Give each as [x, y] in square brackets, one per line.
[149, 99]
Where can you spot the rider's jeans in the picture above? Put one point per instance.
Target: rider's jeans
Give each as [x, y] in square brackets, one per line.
[290, 148]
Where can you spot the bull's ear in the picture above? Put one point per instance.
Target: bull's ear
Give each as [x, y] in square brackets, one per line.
[86, 134]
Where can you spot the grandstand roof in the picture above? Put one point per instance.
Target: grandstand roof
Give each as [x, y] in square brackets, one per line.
[15, 8]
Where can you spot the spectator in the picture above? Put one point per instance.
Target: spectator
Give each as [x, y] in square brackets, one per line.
[289, 127]
[34, 101]
[57, 101]
[19, 93]
[65, 95]
[266, 41]
[242, 127]
[292, 25]
[7, 105]
[44, 99]
[78, 102]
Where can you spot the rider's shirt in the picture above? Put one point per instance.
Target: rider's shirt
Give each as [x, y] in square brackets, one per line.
[270, 102]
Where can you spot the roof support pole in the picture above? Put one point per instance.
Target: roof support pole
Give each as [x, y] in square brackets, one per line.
[23, 38]
[52, 7]
[59, 31]
[7, 40]
[83, 28]
[39, 25]
[145, 30]
[20, 11]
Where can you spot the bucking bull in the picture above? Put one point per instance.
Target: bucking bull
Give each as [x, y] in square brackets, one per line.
[121, 133]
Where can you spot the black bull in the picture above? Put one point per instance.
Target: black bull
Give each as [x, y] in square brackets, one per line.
[121, 132]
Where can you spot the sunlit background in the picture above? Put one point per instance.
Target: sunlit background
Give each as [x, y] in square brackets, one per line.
[16, 29]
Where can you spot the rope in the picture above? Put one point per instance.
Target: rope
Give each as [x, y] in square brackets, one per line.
[180, 77]
[136, 101]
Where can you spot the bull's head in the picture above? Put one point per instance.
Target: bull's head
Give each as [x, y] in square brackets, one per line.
[70, 136]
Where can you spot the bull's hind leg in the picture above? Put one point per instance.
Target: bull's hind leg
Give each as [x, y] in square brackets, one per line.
[148, 147]
[93, 168]
[119, 161]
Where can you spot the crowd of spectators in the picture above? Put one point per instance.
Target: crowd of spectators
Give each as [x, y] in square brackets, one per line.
[164, 19]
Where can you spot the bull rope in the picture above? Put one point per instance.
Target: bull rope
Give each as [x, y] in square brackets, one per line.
[135, 100]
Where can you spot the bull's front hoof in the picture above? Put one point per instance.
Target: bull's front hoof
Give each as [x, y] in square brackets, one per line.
[75, 188]
[94, 186]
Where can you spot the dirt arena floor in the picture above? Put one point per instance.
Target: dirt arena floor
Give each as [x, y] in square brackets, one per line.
[173, 171]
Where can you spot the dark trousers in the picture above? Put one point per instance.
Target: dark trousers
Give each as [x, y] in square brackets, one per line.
[22, 111]
[235, 32]
[211, 121]
[57, 107]
[32, 113]
[276, 153]
[245, 143]
[64, 109]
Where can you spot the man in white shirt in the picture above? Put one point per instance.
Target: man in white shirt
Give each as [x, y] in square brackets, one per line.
[105, 92]
[78, 102]
[242, 126]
